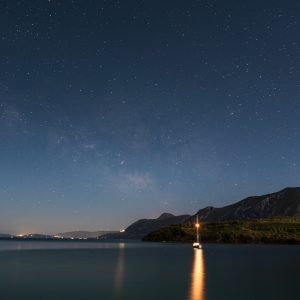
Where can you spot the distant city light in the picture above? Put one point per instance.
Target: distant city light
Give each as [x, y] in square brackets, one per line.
[58, 236]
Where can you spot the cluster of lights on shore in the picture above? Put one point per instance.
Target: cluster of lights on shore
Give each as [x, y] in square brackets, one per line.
[57, 236]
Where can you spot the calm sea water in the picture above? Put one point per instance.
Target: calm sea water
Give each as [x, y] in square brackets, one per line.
[70, 270]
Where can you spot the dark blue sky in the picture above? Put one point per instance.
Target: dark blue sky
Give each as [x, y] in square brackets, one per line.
[116, 110]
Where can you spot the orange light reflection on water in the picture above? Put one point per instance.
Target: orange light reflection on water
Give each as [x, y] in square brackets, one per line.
[119, 273]
[197, 284]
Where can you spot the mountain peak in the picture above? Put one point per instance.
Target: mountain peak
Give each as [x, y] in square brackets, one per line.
[164, 216]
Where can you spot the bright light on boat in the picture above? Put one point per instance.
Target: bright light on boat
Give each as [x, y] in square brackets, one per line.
[197, 245]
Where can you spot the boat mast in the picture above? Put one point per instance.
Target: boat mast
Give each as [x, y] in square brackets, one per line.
[197, 226]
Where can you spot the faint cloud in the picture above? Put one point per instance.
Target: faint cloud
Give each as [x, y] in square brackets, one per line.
[134, 181]
[89, 146]
[10, 115]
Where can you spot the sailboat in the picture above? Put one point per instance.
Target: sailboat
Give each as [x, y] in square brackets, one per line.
[197, 245]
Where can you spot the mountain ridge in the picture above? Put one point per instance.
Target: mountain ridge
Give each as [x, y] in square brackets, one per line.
[284, 203]
[82, 234]
[140, 228]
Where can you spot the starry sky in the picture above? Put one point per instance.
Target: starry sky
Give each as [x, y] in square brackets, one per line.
[112, 111]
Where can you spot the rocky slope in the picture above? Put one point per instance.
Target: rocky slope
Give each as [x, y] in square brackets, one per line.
[140, 228]
[285, 203]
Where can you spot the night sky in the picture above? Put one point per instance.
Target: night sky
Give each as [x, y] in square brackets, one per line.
[112, 111]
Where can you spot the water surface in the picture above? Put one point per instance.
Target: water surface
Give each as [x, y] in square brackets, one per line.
[96, 270]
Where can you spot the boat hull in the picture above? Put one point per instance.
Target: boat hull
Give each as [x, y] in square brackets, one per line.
[197, 246]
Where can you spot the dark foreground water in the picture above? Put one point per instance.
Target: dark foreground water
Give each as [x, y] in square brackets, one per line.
[88, 271]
